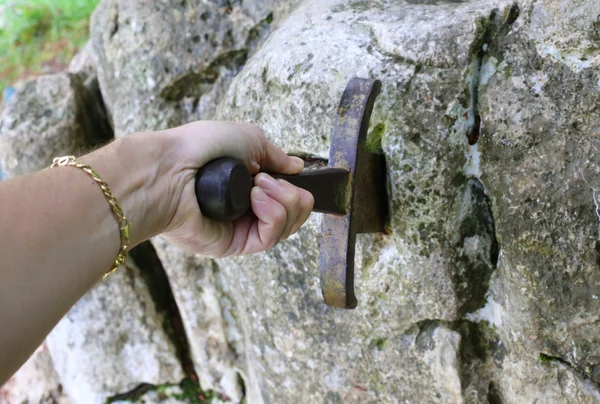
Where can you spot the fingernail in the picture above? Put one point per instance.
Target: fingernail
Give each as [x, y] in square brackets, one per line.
[260, 195]
[267, 182]
[299, 162]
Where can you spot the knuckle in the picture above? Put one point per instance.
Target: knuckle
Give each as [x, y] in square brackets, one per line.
[273, 241]
[292, 194]
[280, 214]
[310, 199]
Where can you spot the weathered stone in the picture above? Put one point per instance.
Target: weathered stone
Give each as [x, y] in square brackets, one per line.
[83, 65]
[540, 160]
[436, 263]
[207, 315]
[113, 340]
[551, 382]
[454, 206]
[487, 288]
[35, 382]
[164, 64]
[49, 116]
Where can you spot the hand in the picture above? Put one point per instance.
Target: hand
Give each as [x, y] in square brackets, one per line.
[279, 207]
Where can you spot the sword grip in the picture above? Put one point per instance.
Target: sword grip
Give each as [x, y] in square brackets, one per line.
[223, 189]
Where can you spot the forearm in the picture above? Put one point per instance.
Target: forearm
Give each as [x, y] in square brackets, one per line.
[58, 236]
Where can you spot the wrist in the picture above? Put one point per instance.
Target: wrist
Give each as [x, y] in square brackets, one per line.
[136, 171]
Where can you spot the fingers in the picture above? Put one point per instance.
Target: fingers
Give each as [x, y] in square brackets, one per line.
[307, 202]
[284, 193]
[204, 141]
[276, 161]
[280, 210]
[265, 232]
[269, 157]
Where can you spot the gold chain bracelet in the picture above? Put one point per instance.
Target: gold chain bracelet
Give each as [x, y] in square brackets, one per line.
[124, 224]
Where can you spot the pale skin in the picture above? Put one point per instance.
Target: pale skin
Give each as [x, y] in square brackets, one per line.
[58, 235]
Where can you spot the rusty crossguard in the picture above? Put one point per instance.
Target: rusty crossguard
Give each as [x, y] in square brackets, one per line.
[351, 191]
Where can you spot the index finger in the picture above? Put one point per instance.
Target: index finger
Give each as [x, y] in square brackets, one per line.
[275, 160]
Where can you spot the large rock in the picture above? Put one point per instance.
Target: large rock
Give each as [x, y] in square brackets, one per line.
[540, 161]
[83, 65]
[163, 64]
[49, 116]
[35, 382]
[465, 215]
[437, 262]
[487, 288]
[113, 340]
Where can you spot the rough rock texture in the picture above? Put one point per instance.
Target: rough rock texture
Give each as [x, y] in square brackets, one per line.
[540, 165]
[205, 308]
[35, 382]
[486, 290]
[510, 211]
[438, 260]
[49, 116]
[83, 65]
[162, 64]
[113, 340]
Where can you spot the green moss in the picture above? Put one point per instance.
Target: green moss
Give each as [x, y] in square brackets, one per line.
[510, 14]
[364, 5]
[368, 262]
[507, 71]
[375, 137]
[529, 246]
[545, 358]
[190, 392]
[380, 343]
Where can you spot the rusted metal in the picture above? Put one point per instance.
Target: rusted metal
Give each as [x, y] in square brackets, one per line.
[351, 190]
[366, 200]
[329, 187]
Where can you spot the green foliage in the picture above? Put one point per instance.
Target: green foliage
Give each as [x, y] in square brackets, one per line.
[188, 391]
[193, 393]
[375, 137]
[39, 35]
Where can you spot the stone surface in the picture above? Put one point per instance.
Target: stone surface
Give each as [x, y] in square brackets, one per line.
[486, 290]
[83, 65]
[113, 340]
[35, 382]
[540, 160]
[164, 64]
[49, 116]
[435, 265]
[492, 242]
[206, 312]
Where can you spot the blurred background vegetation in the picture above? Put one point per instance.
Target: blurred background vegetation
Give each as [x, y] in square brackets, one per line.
[40, 36]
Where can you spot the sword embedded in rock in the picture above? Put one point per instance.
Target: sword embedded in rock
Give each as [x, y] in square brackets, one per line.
[351, 191]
